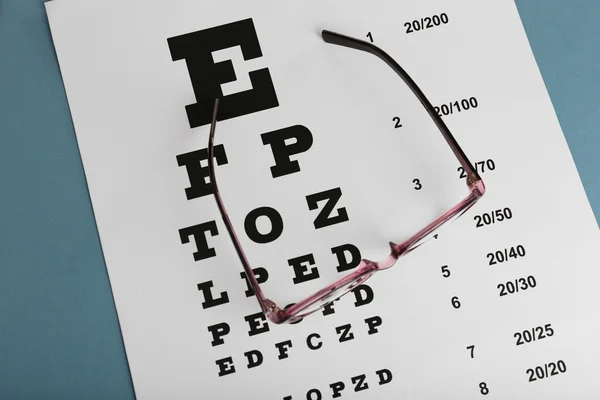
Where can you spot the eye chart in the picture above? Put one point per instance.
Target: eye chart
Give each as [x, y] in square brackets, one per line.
[502, 305]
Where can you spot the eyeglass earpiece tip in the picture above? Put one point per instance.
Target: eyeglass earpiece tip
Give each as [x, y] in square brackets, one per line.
[327, 35]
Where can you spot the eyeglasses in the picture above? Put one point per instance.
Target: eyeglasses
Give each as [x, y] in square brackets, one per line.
[365, 268]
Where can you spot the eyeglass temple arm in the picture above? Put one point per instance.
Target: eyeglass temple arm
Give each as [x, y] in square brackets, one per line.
[342, 40]
[266, 305]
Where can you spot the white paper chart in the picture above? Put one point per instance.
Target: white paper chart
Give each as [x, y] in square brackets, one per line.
[502, 305]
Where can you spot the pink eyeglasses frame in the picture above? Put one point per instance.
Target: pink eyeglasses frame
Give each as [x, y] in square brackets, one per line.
[365, 268]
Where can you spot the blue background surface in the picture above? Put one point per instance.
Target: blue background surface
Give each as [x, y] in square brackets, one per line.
[59, 333]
